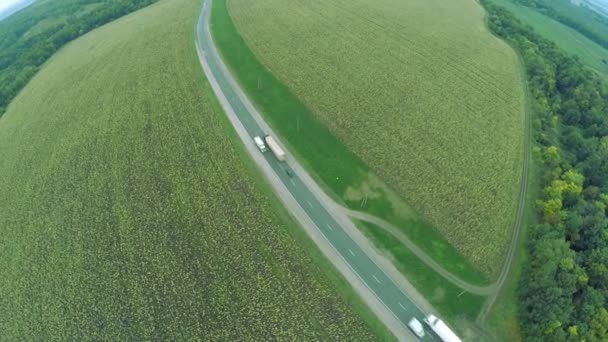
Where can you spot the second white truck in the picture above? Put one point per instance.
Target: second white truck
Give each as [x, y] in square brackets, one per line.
[275, 148]
[441, 329]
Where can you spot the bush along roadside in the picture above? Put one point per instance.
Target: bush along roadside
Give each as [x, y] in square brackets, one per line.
[564, 287]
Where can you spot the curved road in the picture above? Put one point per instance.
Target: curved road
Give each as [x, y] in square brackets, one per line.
[384, 289]
[375, 279]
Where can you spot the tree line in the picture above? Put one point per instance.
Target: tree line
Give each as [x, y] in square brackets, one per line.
[22, 54]
[563, 292]
[585, 24]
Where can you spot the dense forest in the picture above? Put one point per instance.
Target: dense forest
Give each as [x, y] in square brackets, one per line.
[29, 37]
[592, 25]
[564, 287]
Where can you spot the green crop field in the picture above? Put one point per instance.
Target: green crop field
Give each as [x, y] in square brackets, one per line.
[129, 210]
[590, 53]
[413, 97]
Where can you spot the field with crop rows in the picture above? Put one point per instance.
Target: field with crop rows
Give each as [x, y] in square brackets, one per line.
[129, 210]
[420, 91]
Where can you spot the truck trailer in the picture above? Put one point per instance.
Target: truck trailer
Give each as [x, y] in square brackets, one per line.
[275, 148]
[441, 329]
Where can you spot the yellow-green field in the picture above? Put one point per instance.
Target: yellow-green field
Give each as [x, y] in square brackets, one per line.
[130, 212]
[420, 91]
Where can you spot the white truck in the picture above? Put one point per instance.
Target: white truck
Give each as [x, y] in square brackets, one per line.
[441, 329]
[416, 327]
[275, 148]
[260, 143]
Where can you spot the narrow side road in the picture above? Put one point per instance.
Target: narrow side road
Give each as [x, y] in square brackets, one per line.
[397, 234]
[521, 208]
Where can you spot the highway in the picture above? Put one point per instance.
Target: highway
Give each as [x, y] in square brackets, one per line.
[382, 290]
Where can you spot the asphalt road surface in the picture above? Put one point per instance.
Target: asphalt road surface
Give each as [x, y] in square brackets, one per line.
[384, 293]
